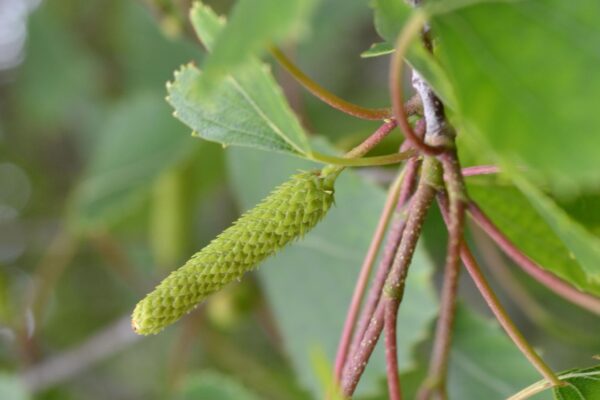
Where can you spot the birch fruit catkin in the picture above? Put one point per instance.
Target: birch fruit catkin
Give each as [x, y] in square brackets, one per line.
[290, 211]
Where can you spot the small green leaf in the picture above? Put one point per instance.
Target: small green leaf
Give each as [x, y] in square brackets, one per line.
[137, 142]
[211, 385]
[310, 284]
[530, 92]
[513, 213]
[582, 384]
[75, 78]
[247, 109]
[378, 49]
[253, 27]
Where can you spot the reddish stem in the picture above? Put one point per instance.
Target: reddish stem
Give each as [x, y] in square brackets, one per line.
[373, 140]
[327, 97]
[502, 316]
[391, 349]
[552, 282]
[360, 358]
[394, 236]
[480, 170]
[364, 274]
[394, 284]
[392, 243]
[453, 208]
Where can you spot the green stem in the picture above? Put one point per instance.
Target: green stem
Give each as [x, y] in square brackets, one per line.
[532, 390]
[363, 161]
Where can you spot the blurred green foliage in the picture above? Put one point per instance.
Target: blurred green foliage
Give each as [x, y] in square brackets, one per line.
[103, 192]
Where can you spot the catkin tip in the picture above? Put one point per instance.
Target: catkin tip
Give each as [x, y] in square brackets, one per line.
[135, 327]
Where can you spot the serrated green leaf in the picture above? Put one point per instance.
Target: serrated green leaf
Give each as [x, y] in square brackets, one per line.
[211, 385]
[247, 109]
[582, 384]
[75, 82]
[529, 91]
[137, 142]
[513, 213]
[253, 27]
[583, 244]
[309, 284]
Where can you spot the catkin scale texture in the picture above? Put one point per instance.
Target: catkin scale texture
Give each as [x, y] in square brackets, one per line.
[290, 211]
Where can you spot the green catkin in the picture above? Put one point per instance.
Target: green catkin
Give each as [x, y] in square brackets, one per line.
[289, 212]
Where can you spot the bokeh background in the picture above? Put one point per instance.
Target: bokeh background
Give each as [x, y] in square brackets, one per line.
[103, 192]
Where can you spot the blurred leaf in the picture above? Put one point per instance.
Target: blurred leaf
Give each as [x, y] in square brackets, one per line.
[585, 209]
[329, 56]
[484, 363]
[169, 222]
[253, 27]
[178, 195]
[390, 17]
[209, 385]
[249, 360]
[247, 109]
[138, 141]
[11, 388]
[513, 213]
[322, 368]
[60, 76]
[310, 283]
[526, 112]
[582, 384]
[584, 245]
[145, 55]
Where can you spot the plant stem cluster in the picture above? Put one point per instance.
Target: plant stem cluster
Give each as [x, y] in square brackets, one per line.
[432, 173]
